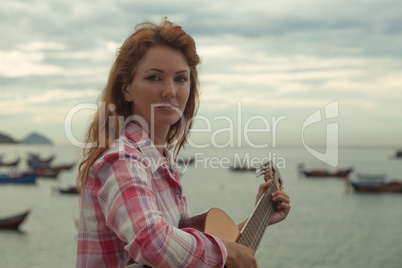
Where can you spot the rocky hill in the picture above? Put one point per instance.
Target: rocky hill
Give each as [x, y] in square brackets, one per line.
[33, 138]
[36, 138]
[6, 139]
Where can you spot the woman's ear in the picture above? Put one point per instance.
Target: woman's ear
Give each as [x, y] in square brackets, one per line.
[125, 92]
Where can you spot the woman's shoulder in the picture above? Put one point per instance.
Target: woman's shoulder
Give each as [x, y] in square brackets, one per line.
[120, 150]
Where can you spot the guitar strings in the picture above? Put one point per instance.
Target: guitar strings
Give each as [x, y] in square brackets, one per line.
[264, 221]
[270, 208]
[256, 226]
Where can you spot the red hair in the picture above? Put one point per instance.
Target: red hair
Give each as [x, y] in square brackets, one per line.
[106, 127]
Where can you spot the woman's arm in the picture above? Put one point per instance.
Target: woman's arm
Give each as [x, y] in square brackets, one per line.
[239, 256]
[130, 205]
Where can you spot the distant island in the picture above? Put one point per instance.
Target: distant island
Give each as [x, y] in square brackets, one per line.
[33, 138]
[6, 139]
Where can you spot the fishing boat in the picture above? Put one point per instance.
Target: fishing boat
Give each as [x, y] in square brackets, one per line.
[242, 168]
[377, 186]
[69, 190]
[55, 167]
[62, 167]
[34, 159]
[323, 173]
[371, 177]
[46, 172]
[14, 221]
[18, 178]
[186, 161]
[9, 164]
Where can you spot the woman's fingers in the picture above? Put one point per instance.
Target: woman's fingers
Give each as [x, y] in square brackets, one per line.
[280, 196]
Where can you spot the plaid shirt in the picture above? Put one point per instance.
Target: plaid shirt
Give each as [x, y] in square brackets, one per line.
[131, 206]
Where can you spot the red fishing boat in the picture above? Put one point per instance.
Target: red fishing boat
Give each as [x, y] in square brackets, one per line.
[380, 186]
[9, 164]
[14, 221]
[46, 172]
[322, 173]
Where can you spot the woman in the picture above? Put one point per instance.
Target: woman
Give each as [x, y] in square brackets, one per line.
[131, 195]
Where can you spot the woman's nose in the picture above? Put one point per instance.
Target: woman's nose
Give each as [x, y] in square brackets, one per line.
[169, 90]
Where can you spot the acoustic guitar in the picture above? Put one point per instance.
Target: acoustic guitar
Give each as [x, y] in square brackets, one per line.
[217, 223]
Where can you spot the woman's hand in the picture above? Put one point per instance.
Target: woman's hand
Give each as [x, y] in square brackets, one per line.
[239, 256]
[283, 208]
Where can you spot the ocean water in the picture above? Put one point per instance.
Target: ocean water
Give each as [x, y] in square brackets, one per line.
[327, 226]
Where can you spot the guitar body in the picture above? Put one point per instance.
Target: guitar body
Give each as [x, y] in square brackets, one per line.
[217, 223]
[214, 222]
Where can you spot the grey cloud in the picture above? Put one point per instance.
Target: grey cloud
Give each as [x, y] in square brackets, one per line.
[80, 25]
[325, 28]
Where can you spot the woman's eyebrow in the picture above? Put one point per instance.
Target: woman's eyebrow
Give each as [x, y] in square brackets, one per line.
[153, 69]
[161, 71]
[183, 71]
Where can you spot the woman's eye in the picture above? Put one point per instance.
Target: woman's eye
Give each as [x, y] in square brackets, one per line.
[181, 79]
[153, 78]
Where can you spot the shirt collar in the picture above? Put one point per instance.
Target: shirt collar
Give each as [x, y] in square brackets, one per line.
[144, 144]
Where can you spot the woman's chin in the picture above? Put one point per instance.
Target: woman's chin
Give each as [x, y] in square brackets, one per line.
[167, 121]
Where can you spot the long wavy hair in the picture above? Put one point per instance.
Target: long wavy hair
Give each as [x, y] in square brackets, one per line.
[107, 125]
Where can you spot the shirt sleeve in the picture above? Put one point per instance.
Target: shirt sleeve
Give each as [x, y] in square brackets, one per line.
[130, 207]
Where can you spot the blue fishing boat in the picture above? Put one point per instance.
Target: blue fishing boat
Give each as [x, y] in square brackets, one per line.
[18, 178]
[35, 159]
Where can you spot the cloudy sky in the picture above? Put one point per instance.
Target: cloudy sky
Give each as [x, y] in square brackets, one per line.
[266, 60]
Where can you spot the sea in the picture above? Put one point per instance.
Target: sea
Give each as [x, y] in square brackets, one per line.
[329, 225]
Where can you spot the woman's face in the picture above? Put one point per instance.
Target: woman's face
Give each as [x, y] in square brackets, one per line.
[160, 87]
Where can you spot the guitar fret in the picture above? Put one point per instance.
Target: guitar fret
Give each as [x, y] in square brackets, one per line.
[255, 227]
[262, 221]
[258, 233]
[263, 225]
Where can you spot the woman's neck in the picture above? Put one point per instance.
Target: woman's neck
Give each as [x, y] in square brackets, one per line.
[158, 136]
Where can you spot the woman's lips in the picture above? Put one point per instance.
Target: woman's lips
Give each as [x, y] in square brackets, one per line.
[167, 107]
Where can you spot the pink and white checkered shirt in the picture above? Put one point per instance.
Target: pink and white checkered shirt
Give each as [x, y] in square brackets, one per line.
[131, 207]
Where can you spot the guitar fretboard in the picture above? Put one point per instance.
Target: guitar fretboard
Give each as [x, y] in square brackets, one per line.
[256, 225]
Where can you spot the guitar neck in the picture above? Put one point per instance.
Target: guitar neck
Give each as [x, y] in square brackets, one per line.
[255, 227]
